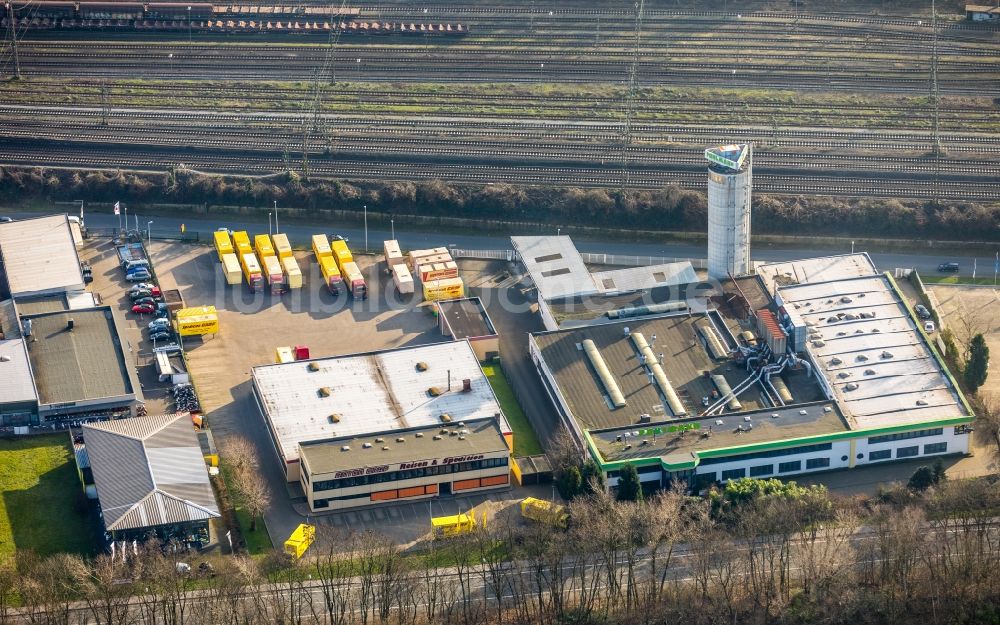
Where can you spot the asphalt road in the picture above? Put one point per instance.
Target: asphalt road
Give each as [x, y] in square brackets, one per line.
[415, 239]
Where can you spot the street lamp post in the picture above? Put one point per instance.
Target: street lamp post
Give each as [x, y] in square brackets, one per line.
[852, 247]
[269, 230]
[189, 23]
[366, 227]
[276, 228]
[149, 235]
[171, 57]
[392, 226]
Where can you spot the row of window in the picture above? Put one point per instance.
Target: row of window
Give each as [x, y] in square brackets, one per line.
[768, 469]
[774, 453]
[908, 452]
[409, 474]
[902, 436]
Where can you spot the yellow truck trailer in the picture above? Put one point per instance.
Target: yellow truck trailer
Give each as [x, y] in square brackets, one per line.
[241, 241]
[281, 245]
[293, 275]
[263, 246]
[544, 512]
[342, 253]
[321, 246]
[223, 244]
[299, 541]
[231, 269]
[448, 526]
[283, 355]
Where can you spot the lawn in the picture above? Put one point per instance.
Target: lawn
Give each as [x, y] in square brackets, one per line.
[525, 441]
[990, 281]
[41, 495]
[258, 541]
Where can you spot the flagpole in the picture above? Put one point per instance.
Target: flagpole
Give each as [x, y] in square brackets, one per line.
[974, 270]
[996, 268]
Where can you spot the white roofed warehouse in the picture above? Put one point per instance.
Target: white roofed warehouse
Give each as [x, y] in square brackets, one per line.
[333, 421]
[833, 372]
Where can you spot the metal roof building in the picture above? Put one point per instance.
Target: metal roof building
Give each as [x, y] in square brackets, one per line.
[358, 394]
[150, 476]
[38, 257]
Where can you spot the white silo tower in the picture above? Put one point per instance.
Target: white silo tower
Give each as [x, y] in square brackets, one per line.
[730, 182]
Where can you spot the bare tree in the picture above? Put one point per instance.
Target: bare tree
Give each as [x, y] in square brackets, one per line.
[107, 586]
[254, 495]
[240, 454]
[987, 408]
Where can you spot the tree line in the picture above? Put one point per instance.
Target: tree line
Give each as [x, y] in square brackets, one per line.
[755, 551]
[669, 208]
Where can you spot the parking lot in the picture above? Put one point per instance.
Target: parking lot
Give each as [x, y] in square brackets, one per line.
[252, 325]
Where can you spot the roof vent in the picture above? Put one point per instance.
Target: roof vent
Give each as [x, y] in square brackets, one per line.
[626, 330]
[627, 447]
[875, 330]
[467, 385]
[69, 324]
[313, 366]
[461, 438]
[463, 431]
[862, 358]
[422, 366]
[5, 358]
[366, 445]
[379, 440]
[324, 391]
[434, 391]
[869, 372]
[845, 300]
[444, 430]
[851, 386]
[437, 437]
[335, 418]
[345, 448]
[419, 435]
[445, 417]
[645, 418]
[774, 415]
[400, 439]
[836, 361]
[921, 402]
[385, 448]
[885, 355]
[827, 409]
[453, 433]
[843, 374]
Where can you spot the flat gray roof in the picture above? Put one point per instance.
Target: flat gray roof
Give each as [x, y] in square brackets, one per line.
[685, 362]
[149, 471]
[372, 392]
[15, 373]
[555, 266]
[467, 318]
[54, 303]
[819, 269]
[872, 353]
[83, 364]
[426, 443]
[633, 279]
[718, 432]
[39, 256]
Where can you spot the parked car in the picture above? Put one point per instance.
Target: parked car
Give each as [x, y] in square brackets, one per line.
[144, 301]
[158, 324]
[138, 274]
[161, 336]
[139, 294]
[922, 311]
[929, 326]
[948, 266]
[5, 220]
[143, 309]
[88, 273]
[142, 286]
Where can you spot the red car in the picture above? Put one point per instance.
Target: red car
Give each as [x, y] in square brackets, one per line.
[143, 309]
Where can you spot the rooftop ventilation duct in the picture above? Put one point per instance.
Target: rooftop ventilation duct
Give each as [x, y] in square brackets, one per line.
[601, 368]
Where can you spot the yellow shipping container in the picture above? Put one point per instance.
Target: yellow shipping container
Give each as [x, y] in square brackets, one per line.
[262, 243]
[198, 324]
[342, 253]
[445, 526]
[195, 311]
[293, 275]
[449, 288]
[281, 245]
[223, 244]
[299, 541]
[321, 246]
[241, 241]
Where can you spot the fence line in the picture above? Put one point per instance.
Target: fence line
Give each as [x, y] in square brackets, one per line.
[638, 261]
[507, 255]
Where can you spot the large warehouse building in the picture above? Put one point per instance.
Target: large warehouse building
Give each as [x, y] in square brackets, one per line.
[834, 373]
[408, 423]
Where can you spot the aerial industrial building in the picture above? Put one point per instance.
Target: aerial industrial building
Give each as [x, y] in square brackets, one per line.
[66, 352]
[466, 318]
[151, 479]
[568, 292]
[834, 372]
[407, 423]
